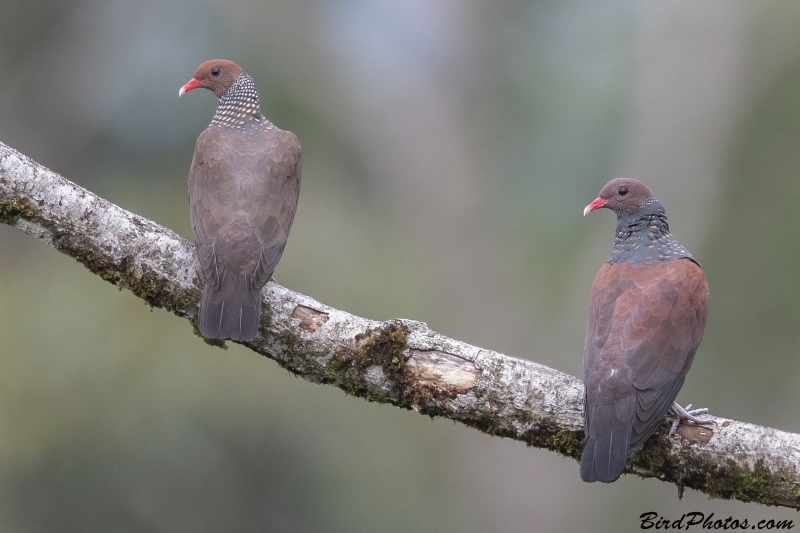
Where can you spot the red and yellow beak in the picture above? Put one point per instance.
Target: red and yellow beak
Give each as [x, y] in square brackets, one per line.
[194, 83]
[596, 204]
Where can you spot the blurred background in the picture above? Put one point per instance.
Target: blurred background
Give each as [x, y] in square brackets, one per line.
[449, 149]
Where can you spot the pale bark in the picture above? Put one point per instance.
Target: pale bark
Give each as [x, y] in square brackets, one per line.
[399, 361]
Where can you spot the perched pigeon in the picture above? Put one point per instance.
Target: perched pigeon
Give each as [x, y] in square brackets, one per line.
[243, 190]
[646, 318]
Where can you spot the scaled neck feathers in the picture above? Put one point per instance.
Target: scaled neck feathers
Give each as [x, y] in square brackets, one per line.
[239, 108]
[643, 237]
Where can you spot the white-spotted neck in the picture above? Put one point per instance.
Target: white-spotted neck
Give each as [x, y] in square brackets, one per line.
[239, 107]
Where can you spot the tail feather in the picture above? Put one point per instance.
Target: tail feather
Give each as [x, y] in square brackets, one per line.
[231, 311]
[604, 456]
[608, 440]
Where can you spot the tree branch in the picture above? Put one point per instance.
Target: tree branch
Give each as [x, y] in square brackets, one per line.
[401, 362]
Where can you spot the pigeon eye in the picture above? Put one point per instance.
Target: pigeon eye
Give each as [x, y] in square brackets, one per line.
[623, 191]
[215, 71]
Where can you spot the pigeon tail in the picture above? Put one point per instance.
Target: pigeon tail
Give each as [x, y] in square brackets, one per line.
[231, 311]
[605, 455]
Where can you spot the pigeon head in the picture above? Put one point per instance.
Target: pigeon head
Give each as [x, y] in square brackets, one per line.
[624, 196]
[216, 75]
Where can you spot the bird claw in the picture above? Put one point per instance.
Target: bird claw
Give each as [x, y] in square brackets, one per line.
[680, 414]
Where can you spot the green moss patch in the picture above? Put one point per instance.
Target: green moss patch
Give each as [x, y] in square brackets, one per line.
[12, 210]
[728, 481]
[384, 347]
[544, 433]
[547, 434]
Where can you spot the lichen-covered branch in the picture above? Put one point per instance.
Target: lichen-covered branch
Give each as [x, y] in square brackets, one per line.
[401, 362]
